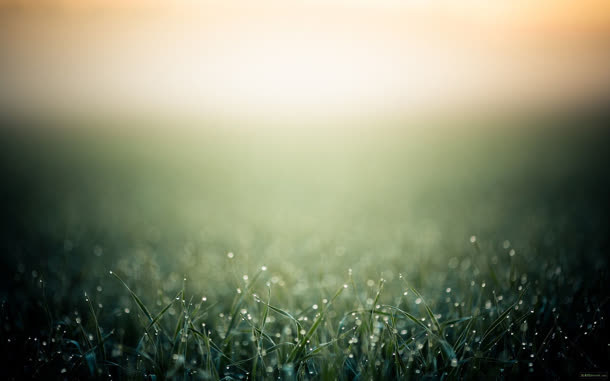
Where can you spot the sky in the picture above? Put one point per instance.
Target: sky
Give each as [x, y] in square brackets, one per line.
[297, 59]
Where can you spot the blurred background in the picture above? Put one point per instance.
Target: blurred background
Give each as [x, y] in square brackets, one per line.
[309, 121]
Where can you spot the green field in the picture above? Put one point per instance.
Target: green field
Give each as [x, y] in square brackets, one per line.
[474, 251]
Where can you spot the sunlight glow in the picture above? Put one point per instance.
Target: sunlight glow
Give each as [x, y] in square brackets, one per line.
[299, 58]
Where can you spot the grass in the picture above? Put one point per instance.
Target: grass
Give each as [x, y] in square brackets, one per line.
[472, 332]
[440, 256]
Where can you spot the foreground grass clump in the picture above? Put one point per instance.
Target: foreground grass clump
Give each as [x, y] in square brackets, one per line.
[498, 323]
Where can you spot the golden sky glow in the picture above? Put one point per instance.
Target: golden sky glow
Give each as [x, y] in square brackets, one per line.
[308, 57]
